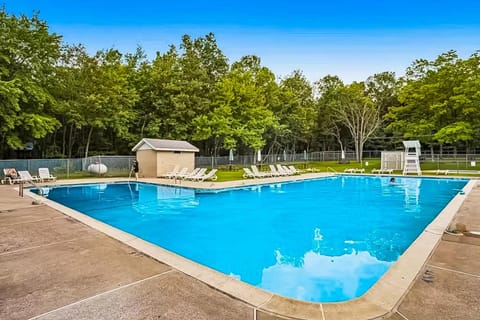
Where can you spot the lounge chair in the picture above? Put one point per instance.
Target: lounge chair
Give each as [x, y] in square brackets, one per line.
[211, 175]
[258, 173]
[172, 174]
[10, 176]
[25, 176]
[184, 174]
[247, 173]
[294, 170]
[44, 175]
[274, 171]
[388, 171]
[198, 175]
[176, 174]
[439, 171]
[283, 171]
[354, 170]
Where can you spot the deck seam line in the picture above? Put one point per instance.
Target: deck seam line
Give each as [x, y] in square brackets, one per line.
[456, 271]
[264, 303]
[12, 210]
[41, 246]
[101, 294]
[402, 315]
[33, 221]
[321, 309]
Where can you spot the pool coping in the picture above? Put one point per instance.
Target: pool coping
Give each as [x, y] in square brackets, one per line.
[380, 300]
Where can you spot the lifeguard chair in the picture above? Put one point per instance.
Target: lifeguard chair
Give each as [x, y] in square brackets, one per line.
[412, 157]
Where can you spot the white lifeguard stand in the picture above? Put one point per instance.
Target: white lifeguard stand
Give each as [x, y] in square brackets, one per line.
[412, 157]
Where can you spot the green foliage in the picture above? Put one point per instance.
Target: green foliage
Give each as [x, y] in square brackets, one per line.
[28, 53]
[439, 102]
[69, 102]
[242, 111]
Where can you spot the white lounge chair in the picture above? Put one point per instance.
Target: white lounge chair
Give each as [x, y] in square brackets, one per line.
[44, 175]
[186, 174]
[198, 175]
[354, 170]
[273, 171]
[10, 176]
[175, 175]
[282, 171]
[294, 170]
[211, 175]
[258, 173]
[25, 176]
[388, 171]
[172, 174]
[247, 173]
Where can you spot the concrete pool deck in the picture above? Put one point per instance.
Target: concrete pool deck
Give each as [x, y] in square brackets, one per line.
[55, 267]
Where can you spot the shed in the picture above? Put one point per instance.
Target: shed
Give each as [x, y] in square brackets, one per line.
[156, 157]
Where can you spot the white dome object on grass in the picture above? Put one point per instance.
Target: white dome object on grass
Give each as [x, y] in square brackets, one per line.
[98, 168]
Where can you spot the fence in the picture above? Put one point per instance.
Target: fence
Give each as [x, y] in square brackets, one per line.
[121, 165]
[117, 165]
[244, 160]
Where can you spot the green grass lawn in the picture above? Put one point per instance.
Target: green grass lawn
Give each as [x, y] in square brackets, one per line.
[236, 172]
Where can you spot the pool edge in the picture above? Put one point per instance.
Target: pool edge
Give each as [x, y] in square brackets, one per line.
[380, 300]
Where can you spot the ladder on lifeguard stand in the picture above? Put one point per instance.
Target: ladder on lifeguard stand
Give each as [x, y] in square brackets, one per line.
[412, 157]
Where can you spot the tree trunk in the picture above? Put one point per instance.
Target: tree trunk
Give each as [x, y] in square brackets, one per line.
[143, 127]
[64, 141]
[70, 141]
[88, 141]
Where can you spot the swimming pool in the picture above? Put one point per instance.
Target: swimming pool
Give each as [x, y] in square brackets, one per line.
[319, 240]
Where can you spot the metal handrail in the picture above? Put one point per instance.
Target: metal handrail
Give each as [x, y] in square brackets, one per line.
[331, 169]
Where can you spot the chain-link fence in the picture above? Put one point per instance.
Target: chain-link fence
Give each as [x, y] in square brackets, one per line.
[459, 163]
[246, 160]
[67, 168]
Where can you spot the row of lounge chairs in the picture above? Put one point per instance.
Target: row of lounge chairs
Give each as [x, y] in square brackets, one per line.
[11, 176]
[197, 174]
[275, 171]
[362, 170]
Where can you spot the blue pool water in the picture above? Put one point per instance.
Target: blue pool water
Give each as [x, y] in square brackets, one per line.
[321, 240]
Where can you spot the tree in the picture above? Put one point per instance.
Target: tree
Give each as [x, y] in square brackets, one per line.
[382, 88]
[295, 110]
[95, 93]
[28, 53]
[179, 86]
[328, 89]
[359, 114]
[241, 113]
[439, 101]
[349, 108]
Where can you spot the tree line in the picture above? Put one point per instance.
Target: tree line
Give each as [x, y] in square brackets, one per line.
[66, 102]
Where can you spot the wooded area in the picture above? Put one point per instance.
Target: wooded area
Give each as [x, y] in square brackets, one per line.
[60, 101]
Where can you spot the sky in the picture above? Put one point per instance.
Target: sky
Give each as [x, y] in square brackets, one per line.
[351, 39]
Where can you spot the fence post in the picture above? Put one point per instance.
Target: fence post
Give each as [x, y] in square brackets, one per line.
[68, 168]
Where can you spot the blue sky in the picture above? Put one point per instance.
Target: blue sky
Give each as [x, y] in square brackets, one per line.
[351, 39]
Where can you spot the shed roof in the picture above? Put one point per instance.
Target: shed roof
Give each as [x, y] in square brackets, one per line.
[165, 145]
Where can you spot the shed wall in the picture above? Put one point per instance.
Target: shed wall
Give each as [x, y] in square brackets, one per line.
[167, 160]
[147, 160]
